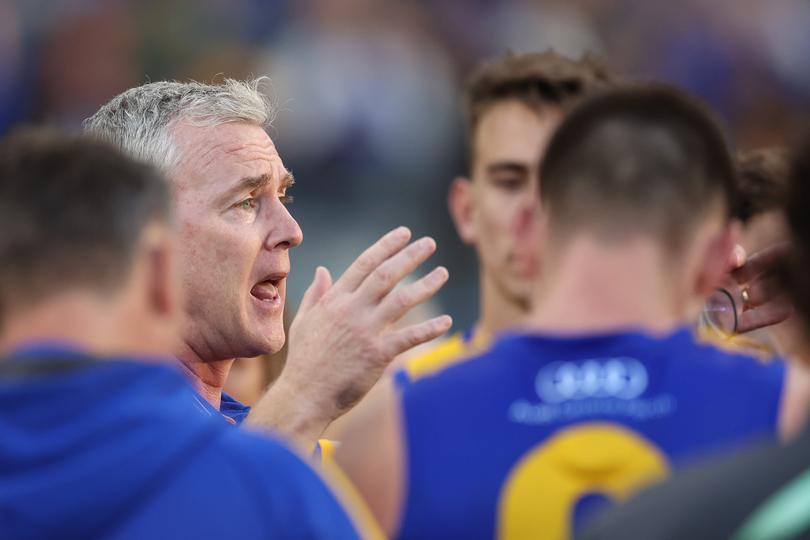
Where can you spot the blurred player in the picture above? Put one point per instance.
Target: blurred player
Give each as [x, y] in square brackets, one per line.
[512, 107]
[760, 494]
[608, 390]
[99, 434]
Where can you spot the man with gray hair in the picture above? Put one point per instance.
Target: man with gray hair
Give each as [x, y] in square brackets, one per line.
[235, 232]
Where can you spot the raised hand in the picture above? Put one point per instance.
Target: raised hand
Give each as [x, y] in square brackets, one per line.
[344, 337]
[756, 291]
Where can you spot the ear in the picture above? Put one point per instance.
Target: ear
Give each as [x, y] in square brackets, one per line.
[462, 208]
[715, 267]
[160, 280]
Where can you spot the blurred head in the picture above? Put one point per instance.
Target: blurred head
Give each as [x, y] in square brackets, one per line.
[78, 218]
[762, 178]
[644, 163]
[229, 186]
[798, 218]
[512, 107]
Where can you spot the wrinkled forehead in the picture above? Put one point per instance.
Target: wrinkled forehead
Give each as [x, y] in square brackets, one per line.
[214, 157]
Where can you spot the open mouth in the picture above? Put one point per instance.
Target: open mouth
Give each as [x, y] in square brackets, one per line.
[267, 290]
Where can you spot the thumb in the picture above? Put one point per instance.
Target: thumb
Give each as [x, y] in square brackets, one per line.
[320, 284]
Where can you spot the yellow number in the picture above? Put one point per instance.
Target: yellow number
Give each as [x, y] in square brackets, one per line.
[539, 495]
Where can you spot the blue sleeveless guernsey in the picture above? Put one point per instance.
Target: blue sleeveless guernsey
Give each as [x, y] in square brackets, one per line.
[530, 438]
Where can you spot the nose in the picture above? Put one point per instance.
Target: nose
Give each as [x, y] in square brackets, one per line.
[285, 233]
[526, 216]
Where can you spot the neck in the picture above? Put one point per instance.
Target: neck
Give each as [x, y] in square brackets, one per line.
[589, 287]
[499, 310]
[208, 378]
[100, 327]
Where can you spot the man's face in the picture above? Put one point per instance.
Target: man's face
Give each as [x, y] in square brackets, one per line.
[508, 144]
[235, 236]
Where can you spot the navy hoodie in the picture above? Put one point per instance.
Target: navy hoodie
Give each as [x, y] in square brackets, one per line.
[116, 449]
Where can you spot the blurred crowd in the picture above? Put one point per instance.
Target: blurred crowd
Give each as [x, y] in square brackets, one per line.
[626, 268]
[369, 119]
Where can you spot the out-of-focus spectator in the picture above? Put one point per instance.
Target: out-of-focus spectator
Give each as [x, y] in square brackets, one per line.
[367, 88]
[74, 78]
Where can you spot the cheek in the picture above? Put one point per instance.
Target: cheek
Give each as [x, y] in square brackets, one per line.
[525, 225]
[495, 217]
[213, 259]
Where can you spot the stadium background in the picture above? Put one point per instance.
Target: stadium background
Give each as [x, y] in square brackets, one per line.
[368, 90]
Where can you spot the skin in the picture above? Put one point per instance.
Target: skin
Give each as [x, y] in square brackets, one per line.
[138, 319]
[235, 234]
[246, 380]
[496, 210]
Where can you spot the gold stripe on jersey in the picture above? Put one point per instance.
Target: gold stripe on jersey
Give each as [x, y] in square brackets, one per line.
[446, 353]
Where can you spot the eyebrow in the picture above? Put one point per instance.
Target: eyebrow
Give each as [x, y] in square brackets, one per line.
[288, 181]
[507, 166]
[246, 184]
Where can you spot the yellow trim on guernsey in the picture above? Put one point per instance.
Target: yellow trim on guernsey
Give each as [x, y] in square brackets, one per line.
[327, 448]
[446, 353]
[354, 504]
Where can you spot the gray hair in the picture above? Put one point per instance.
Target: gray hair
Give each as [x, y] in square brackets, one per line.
[139, 120]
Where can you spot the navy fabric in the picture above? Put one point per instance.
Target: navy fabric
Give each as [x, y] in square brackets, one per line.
[228, 407]
[468, 426]
[118, 449]
[233, 409]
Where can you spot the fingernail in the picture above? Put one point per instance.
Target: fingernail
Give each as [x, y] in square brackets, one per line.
[441, 271]
[427, 242]
[739, 255]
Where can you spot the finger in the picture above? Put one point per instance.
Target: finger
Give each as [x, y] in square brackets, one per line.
[760, 263]
[736, 257]
[407, 338]
[765, 315]
[760, 291]
[390, 244]
[382, 280]
[320, 284]
[403, 299]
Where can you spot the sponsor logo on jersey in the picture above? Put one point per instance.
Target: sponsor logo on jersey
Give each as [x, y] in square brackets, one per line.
[622, 378]
[611, 388]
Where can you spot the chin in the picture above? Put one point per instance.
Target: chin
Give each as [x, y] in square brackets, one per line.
[270, 336]
[275, 343]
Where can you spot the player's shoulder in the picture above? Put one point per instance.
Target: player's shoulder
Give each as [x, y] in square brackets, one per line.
[504, 359]
[730, 361]
[738, 371]
[445, 353]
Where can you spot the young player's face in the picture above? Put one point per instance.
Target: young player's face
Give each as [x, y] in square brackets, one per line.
[235, 236]
[507, 146]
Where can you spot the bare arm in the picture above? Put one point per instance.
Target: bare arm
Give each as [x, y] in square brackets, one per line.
[372, 456]
[342, 338]
[795, 406]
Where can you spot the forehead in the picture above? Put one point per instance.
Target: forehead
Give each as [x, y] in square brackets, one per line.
[512, 131]
[216, 157]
